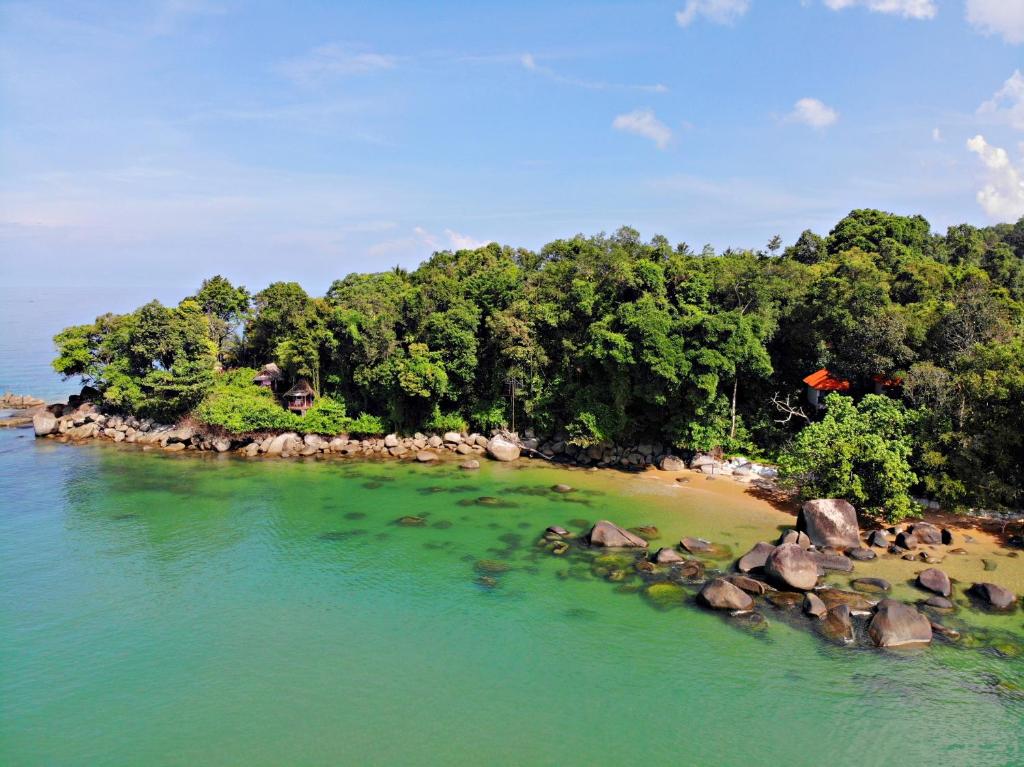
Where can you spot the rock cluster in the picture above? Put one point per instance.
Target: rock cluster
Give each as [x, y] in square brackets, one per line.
[9, 401]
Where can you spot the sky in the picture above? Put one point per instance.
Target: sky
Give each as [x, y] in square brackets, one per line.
[163, 141]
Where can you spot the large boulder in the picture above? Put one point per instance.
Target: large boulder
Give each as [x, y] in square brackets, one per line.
[610, 535]
[425, 456]
[993, 595]
[792, 567]
[830, 522]
[837, 624]
[755, 558]
[44, 422]
[813, 606]
[671, 463]
[502, 449]
[452, 438]
[926, 532]
[667, 556]
[896, 624]
[391, 440]
[935, 581]
[282, 441]
[719, 594]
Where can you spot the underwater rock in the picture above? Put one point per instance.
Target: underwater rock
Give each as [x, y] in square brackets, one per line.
[425, 456]
[610, 535]
[790, 566]
[830, 522]
[939, 603]
[871, 585]
[829, 560]
[988, 565]
[853, 600]
[936, 581]
[560, 488]
[556, 530]
[719, 594]
[896, 624]
[411, 521]
[491, 566]
[785, 600]
[696, 545]
[837, 624]
[665, 595]
[945, 631]
[647, 532]
[470, 465]
[993, 595]
[755, 558]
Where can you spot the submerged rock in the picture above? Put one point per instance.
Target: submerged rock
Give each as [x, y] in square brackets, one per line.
[561, 488]
[936, 581]
[830, 522]
[853, 600]
[411, 521]
[666, 556]
[696, 545]
[719, 594]
[425, 456]
[837, 624]
[871, 585]
[792, 567]
[470, 465]
[664, 595]
[610, 535]
[896, 624]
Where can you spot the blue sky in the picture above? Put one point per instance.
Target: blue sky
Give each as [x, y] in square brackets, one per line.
[147, 143]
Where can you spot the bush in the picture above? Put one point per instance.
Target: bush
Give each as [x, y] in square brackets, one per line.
[366, 426]
[327, 416]
[860, 453]
[445, 421]
[240, 407]
[490, 418]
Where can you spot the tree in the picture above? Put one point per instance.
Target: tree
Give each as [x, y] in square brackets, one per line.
[857, 452]
[226, 308]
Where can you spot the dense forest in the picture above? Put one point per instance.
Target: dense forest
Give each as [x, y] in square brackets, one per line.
[611, 339]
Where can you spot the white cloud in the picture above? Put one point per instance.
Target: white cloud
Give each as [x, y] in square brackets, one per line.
[642, 122]
[464, 241]
[998, 17]
[936, 135]
[334, 60]
[529, 62]
[717, 11]
[452, 239]
[1008, 102]
[908, 9]
[1002, 197]
[813, 112]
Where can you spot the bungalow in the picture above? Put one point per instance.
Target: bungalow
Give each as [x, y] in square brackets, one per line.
[269, 377]
[822, 381]
[300, 397]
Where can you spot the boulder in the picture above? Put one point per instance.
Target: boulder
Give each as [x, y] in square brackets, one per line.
[878, 538]
[671, 463]
[463, 448]
[939, 603]
[755, 558]
[749, 585]
[391, 440]
[501, 449]
[906, 540]
[562, 488]
[861, 554]
[792, 567]
[719, 594]
[856, 602]
[251, 450]
[610, 535]
[425, 456]
[452, 438]
[925, 532]
[44, 423]
[830, 522]
[222, 444]
[667, 556]
[469, 465]
[280, 442]
[829, 560]
[557, 530]
[935, 581]
[993, 595]
[896, 624]
[434, 441]
[837, 625]
[813, 606]
[175, 447]
[799, 537]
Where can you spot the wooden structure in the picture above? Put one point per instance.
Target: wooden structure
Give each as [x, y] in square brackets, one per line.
[300, 397]
[822, 381]
[269, 377]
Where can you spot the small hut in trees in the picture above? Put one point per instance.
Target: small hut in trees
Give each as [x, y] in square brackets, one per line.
[300, 397]
[269, 377]
[822, 381]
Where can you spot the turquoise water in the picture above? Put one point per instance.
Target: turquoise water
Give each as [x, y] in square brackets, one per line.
[186, 610]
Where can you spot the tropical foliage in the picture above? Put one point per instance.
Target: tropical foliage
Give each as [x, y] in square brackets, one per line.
[612, 338]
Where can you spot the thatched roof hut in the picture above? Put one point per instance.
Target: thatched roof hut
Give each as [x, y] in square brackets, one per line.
[300, 397]
[269, 376]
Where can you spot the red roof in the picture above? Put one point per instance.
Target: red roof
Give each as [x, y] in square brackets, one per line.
[888, 383]
[822, 380]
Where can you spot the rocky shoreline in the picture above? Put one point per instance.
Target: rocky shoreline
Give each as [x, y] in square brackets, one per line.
[789, 579]
[80, 419]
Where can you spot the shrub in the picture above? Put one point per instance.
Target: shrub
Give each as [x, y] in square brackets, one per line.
[366, 426]
[445, 421]
[327, 416]
[240, 407]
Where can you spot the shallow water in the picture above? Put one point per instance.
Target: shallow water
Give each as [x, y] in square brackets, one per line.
[160, 609]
